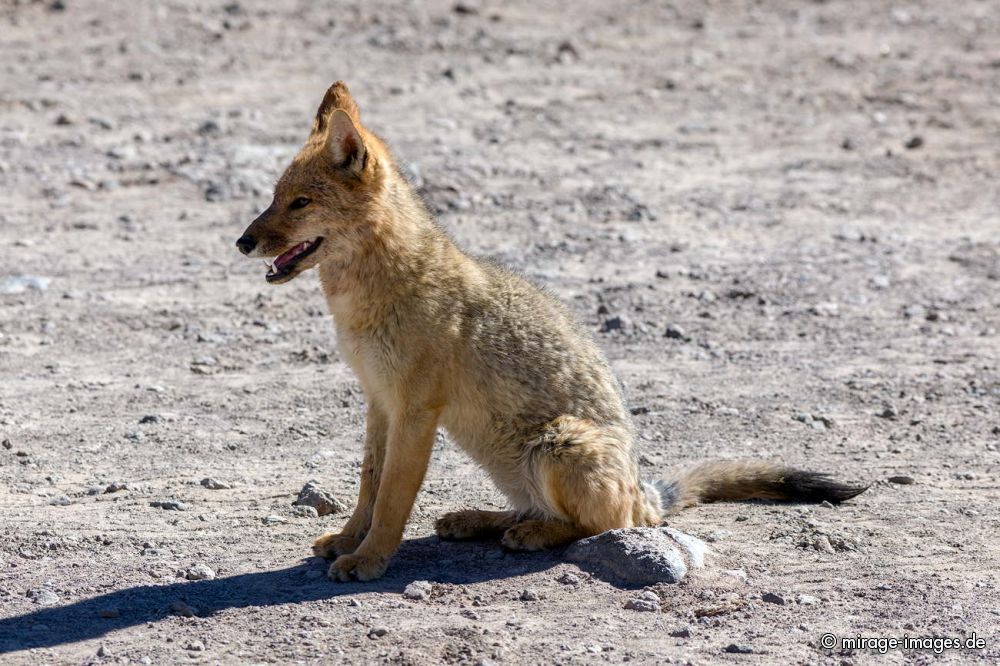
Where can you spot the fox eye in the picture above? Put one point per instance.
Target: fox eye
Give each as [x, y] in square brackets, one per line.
[300, 202]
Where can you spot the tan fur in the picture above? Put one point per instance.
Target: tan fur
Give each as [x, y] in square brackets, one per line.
[438, 338]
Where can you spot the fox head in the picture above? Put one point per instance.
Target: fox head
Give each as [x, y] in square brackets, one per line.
[321, 204]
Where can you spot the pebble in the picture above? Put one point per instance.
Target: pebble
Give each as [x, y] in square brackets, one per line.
[103, 651]
[616, 323]
[822, 544]
[43, 597]
[215, 484]
[19, 284]
[274, 519]
[377, 632]
[718, 535]
[734, 648]
[312, 494]
[806, 600]
[169, 505]
[569, 579]
[643, 605]
[675, 332]
[305, 512]
[418, 590]
[182, 609]
[62, 500]
[902, 480]
[772, 598]
[199, 572]
[195, 646]
[529, 595]
[739, 574]
[681, 632]
[914, 142]
[889, 411]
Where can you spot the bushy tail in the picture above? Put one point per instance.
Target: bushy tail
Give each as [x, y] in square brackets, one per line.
[743, 480]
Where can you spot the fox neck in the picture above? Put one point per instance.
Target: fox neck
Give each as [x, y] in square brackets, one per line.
[401, 247]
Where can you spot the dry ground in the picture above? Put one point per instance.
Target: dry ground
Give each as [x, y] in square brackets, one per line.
[807, 189]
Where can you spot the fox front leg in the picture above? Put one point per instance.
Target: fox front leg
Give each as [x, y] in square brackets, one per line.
[333, 544]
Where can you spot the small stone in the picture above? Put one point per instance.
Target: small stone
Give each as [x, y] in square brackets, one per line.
[195, 646]
[315, 496]
[19, 284]
[682, 632]
[109, 613]
[902, 480]
[150, 418]
[734, 648]
[822, 544]
[215, 484]
[616, 323]
[889, 411]
[274, 519]
[199, 572]
[881, 282]
[642, 605]
[675, 332]
[103, 651]
[914, 142]
[43, 597]
[772, 598]
[377, 632]
[806, 600]
[169, 505]
[469, 613]
[718, 535]
[529, 595]
[418, 590]
[305, 512]
[182, 609]
[569, 579]
[738, 574]
[827, 309]
[61, 500]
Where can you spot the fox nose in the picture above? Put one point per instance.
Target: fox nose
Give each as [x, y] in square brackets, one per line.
[246, 244]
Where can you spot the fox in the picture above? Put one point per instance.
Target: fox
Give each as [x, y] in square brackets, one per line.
[440, 339]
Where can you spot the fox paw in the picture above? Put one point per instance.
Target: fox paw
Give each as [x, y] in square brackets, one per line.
[525, 536]
[332, 545]
[459, 525]
[361, 567]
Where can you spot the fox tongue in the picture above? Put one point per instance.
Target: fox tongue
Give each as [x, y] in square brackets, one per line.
[283, 260]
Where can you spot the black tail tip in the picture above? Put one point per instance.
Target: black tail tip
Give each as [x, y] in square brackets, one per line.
[817, 487]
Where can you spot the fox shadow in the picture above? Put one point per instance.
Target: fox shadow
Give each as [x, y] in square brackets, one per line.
[419, 559]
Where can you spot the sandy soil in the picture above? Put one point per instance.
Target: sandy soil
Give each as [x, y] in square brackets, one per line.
[808, 190]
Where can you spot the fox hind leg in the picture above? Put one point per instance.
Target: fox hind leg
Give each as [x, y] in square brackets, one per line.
[585, 482]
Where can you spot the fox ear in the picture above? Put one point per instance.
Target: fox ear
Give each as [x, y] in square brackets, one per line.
[337, 97]
[343, 142]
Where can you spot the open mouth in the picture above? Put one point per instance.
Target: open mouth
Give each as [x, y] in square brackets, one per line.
[286, 262]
